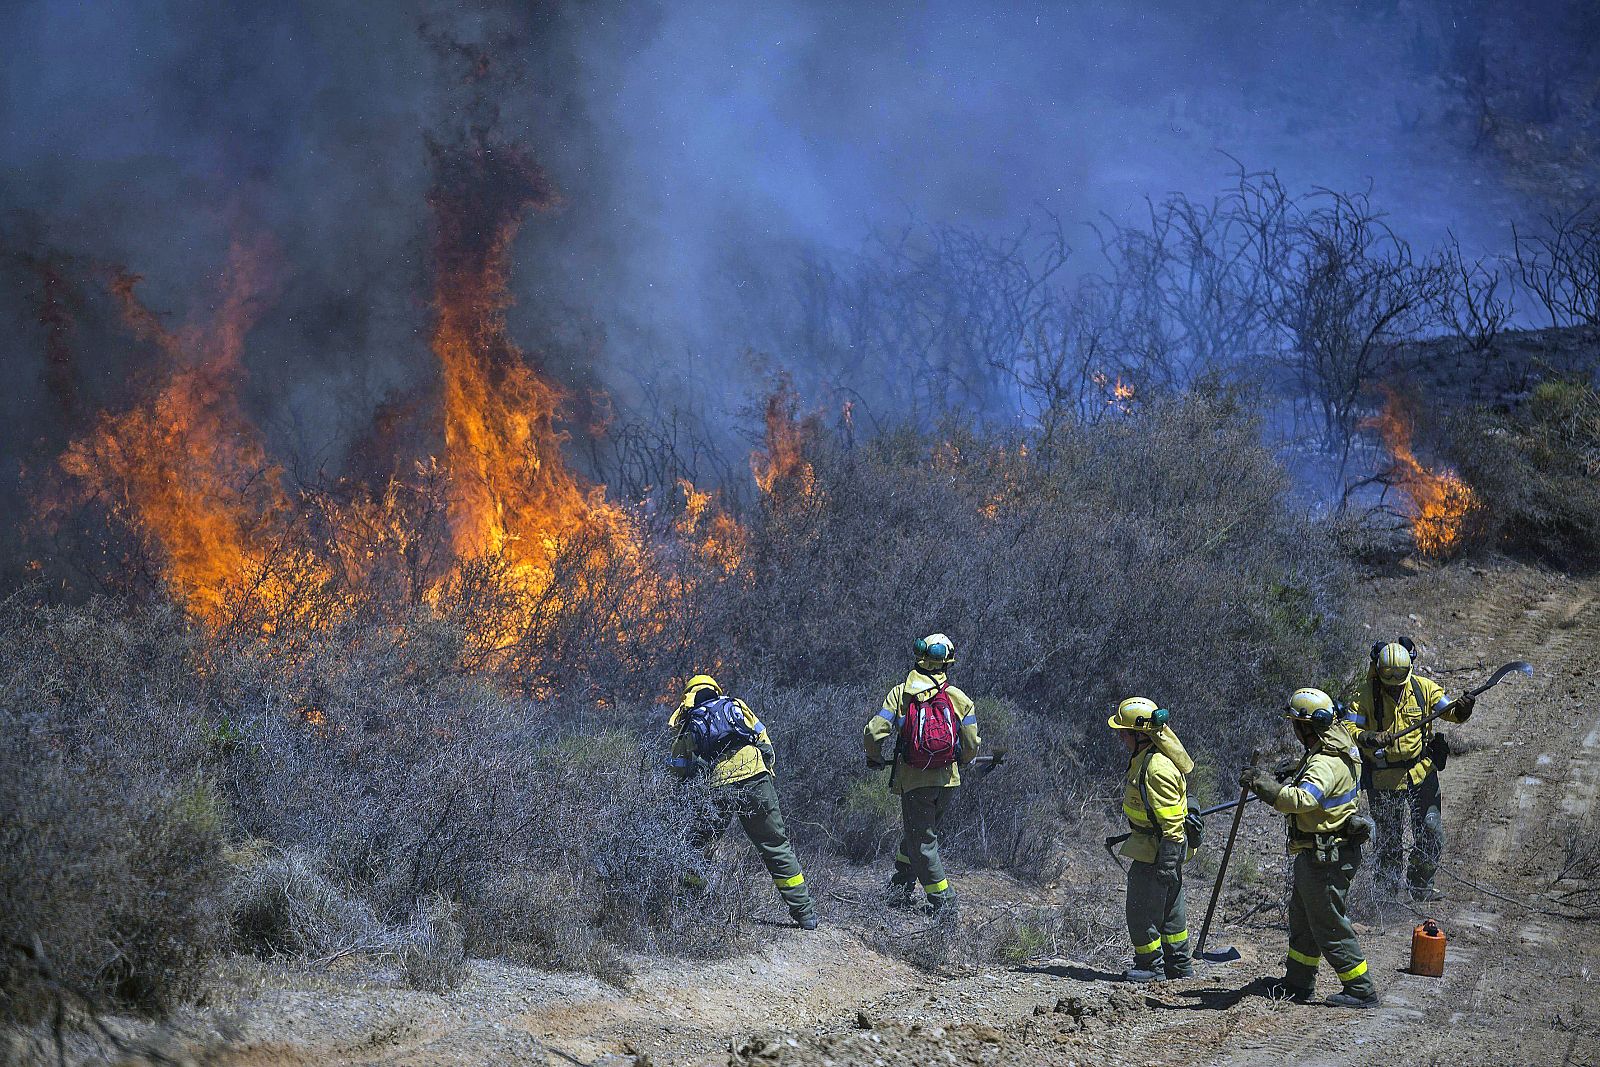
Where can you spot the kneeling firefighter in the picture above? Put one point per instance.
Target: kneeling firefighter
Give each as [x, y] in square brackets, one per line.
[719, 736]
[1155, 799]
[928, 730]
[1401, 763]
[1320, 797]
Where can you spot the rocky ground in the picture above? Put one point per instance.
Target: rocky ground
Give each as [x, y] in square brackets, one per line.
[1518, 988]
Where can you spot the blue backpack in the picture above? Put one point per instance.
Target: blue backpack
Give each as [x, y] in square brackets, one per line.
[717, 727]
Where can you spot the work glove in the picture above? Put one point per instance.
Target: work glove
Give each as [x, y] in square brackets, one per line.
[1261, 783]
[1371, 740]
[1169, 862]
[1462, 707]
[1284, 768]
[1359, 829]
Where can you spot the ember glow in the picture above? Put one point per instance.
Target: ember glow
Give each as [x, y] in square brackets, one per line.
[1440, 504]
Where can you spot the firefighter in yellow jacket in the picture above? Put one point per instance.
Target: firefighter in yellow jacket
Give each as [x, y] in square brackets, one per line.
[1399, 773]
[1155, 799]
[1320, 797]
[720, 737]
[924, 792]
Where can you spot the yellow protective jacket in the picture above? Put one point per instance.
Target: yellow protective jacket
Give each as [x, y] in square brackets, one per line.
[1162, 766]
[1402, 763]
[1324, 790]
[891, 717]
[736, 766]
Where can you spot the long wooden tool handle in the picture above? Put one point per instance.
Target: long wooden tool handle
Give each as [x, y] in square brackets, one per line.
[1222, 870]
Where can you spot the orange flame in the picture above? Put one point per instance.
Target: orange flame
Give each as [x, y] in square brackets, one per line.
[1119, 394]
[1441, 503]
[187, 469]
[511, 492]
[475, 536]
[782, 458]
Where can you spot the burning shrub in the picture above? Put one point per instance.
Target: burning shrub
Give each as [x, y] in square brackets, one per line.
[1535, 467]
[1444, 512]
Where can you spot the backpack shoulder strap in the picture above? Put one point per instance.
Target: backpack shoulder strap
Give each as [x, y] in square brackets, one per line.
[1144, 790]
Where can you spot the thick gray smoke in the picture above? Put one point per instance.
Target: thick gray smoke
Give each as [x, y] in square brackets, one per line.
[700, 150]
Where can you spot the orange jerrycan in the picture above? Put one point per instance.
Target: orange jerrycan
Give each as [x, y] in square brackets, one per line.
[1427, 950]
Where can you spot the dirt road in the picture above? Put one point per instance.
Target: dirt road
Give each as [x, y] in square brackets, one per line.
[1522, 984]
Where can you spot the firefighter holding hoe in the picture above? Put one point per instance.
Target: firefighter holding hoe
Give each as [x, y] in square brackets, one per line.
[927, 730]
[720, 737]
[1401, 763]
[1155, 799]
[1320, 797]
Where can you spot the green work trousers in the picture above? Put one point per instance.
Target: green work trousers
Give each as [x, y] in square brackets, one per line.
[1157, 922]
[1319, 922]
[921, 811]
[1389, 809]
[754, 802]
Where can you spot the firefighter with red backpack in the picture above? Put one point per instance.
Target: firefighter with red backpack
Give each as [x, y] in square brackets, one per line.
[927, 730]
[718, 736]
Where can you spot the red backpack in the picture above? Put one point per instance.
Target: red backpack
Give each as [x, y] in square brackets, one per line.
[929, 738]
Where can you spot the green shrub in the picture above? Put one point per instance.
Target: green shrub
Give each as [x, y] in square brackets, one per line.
[1537, 470]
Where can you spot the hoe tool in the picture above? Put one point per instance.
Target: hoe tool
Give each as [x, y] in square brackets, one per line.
[1514, 667]
[1229, 954]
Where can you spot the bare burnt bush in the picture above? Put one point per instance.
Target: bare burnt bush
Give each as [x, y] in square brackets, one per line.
[1535, 469]
[1577, 881]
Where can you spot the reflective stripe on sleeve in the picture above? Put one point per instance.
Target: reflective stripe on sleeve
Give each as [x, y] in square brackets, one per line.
[758, 728]
[681, 761]
[1352, 717]
[1313, 789]
[1343, 798]
[1302, 958]
[1353, 973]
[1135, 815]
[1145, 950]
[1441, 702]
[1175, 939]
[938, 887]
[901, 857]
[789, 883]
[886, 714]
[970, 720]
[1175, 811]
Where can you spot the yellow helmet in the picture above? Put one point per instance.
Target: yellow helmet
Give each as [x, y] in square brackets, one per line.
[935, 652]
[1311, 706]
[1139, 713]
[1392, 662]
[694, 687]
